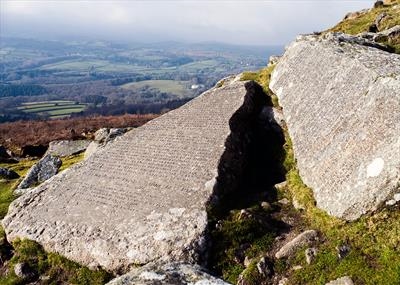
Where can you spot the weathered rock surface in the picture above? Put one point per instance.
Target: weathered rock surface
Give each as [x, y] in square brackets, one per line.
[341, 101]
[341, 281]
[143, 197]
[46, 168]
[167, 274]
[6, 173]
[303, 239]
[67, 147]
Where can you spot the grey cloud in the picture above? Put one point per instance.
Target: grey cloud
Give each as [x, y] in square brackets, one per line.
[240, 22]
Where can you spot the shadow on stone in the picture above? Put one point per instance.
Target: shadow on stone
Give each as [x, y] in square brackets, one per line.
[250, 166]
[252, 162]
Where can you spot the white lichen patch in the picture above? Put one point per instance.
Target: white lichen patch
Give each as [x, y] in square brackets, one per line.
[375, 167]
[149, 275]
[163, 235]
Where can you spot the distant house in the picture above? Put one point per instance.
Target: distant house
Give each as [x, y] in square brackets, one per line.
[197, 86]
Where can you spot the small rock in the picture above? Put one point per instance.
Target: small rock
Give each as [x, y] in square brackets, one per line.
[379, 18]
[101, 134]
[239, 253]
[67, 147]
[247, 261]
[283, 281]
[116, 132]
[297, 267]
[284, 201]
[346, 280]
[378, 4]
[167, 273]
[244, 214]
[264, 267]
[102, 137]
[297, 205]
[274, 59]
[6, 173]
[391, 202]
[23, 271]
[266, 206]
[354, 15]
[219, 224]
[303, 239]
[396, 197]
[280, 186]
[310, 253]
[343, 250]
[373, 28]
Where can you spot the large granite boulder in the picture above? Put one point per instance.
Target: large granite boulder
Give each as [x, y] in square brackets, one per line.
[144, 197]
[46, 168]
[67, 147]
[167, 274]
[341, 101]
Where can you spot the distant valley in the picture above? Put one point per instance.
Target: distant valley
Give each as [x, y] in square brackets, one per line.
[54, 79]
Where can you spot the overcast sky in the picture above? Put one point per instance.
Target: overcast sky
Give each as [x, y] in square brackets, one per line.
[239, 22]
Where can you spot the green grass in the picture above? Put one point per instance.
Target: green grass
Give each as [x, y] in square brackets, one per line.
[234, 232]
[75, 64]
[168, 86]
[198, 65]
[57, 268]
[68, 161]
[361, 23]
[262, 77]
[53, 108]
[27, 104]
[7, 186]
[374, 240]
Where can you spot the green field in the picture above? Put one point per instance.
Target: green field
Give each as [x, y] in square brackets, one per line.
[54, 109]
[179, 88]
[98, 65]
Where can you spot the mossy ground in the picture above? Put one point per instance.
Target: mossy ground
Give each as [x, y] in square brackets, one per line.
[7, 186]
[363, 21]
[262, 77]
[51, 267]
[374, 239]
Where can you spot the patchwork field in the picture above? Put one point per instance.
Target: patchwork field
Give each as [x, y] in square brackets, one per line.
[179, 88]
[55, 109]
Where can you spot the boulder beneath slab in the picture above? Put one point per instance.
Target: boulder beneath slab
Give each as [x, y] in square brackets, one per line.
[6, 173]
[46, 168]
[102, 137]
[145, 196]
[168, 274]
[67, 147]
[341, 102]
